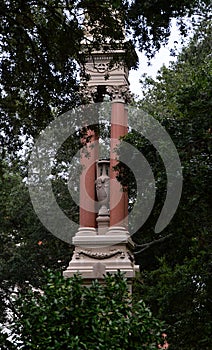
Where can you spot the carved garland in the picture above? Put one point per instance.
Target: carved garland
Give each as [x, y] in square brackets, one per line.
[100, 255]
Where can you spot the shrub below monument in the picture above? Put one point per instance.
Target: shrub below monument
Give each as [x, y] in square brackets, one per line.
[68, 315]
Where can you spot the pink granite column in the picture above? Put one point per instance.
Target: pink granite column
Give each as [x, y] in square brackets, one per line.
[89, 156]
[126, 190]
[117, 196]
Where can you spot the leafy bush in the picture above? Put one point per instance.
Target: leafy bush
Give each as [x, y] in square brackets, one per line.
[68, 315]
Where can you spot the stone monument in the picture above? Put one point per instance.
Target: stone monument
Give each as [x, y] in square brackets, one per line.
[102, 243]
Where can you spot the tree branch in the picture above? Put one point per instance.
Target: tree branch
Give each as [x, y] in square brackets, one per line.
[146, 246]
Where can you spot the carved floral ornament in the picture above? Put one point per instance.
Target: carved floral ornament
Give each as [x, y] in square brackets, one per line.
[88, 93]
[100, 255]
[116, 93]
[120, 92]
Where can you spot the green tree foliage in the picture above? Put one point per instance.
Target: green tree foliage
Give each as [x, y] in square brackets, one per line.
[175, 264]
[42, 40]
[40, 44]
[67, 315]
[27, 249]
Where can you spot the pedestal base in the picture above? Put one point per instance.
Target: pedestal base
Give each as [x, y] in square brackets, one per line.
[96, 255]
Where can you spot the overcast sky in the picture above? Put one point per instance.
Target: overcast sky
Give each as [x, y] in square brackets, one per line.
[161, 58]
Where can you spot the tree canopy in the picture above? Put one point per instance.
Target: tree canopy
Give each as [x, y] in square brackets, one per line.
[41, 41]
[40, 45]
[175, 264]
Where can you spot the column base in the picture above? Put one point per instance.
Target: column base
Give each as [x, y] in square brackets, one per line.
[84, 231]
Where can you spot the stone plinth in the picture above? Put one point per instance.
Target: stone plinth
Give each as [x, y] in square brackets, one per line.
[96, 255]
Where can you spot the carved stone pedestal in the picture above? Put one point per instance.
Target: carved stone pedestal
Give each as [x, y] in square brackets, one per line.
[94, 256]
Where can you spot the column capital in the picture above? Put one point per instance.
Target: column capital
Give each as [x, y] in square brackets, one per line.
[120, 93]
[88, 93]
